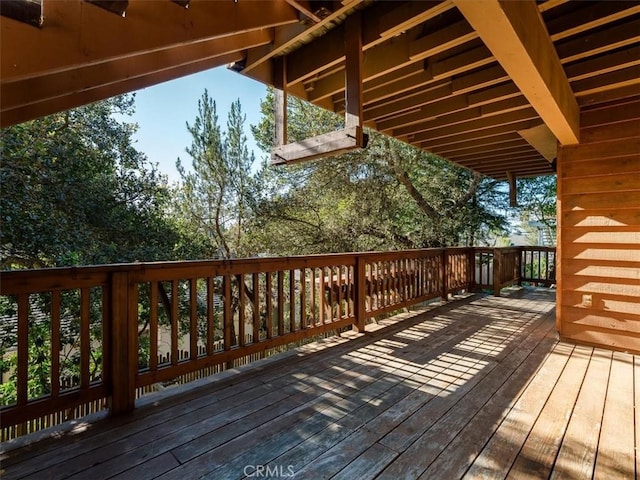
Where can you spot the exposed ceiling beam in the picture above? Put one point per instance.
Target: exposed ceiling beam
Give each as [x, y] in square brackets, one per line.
[328, 50]
[602, 41]
[486, 134]
[463, 115]
[590, 16]
[58, 104]
[511, 142]
[542, 139]
[304, 7]
[285, 37]
[76, 33]
[59, 84]
[516, 35]
[447, 129]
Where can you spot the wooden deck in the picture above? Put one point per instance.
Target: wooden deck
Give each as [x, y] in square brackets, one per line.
[477, 388]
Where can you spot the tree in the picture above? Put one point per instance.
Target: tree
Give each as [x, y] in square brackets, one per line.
[214, 196]
[388, 196]
[537, 198]
[76, 191]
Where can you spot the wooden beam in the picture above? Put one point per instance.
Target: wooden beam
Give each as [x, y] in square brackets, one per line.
[588, 16]
[603, 64]
[285, 37]
[119, 7]
[304, 7]
[328, 144]
[542, 139]
[476, 145]
[447, 130]
[516, 35]
[607, 81]
[514, 143]
[25, 11]
[328, 50]
[76, 99]
[353, 75]
[22, 93]
[83, 35]
[490, 110]
[280, 100]
[513, 190]
[602, 41]
[487, 134]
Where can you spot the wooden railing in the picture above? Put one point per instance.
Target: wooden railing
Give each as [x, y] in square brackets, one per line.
[118, 329]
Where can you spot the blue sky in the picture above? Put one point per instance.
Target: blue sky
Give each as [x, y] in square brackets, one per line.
[163, 110]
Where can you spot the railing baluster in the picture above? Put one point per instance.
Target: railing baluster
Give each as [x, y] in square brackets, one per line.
[153, 326]
[55, 343]
[227, 319]
[85, 342]
[256, 307]
[193, 318]
[303, 298]
[242, 340]
[211, 291]
[268, 295]
[280, 303]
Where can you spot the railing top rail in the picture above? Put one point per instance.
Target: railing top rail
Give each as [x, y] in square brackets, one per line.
[266, 263]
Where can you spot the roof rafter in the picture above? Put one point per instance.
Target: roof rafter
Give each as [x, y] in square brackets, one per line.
[516, 35]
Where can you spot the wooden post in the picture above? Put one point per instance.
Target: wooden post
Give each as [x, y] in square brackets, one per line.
[280, 99]
[519, 265]
[497, 280]
[472, 270]
[513, 190]
[353, 71]
[445, 274]
[124, 362]
[360, 279]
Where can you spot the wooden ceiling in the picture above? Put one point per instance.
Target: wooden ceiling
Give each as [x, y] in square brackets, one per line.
[489, 84]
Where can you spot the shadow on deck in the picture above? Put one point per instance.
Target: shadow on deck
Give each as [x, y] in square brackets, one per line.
[477, 388]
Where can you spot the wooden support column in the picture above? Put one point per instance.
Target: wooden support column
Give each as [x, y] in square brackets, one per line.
[513, 190]
[124, 362]
[360, 280]
[353, 72]
[445, 275]
[280, 92]
[332, 143]
[497, 280]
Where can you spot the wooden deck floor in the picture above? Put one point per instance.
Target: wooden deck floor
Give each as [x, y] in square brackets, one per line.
[478, 388]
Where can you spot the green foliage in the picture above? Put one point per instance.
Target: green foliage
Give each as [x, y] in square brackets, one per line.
[388, 196]
[214, 198]
[76, 192]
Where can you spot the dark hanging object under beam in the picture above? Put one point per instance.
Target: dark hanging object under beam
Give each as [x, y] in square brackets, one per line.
[182, 3]
[119, 7]
[25, 11]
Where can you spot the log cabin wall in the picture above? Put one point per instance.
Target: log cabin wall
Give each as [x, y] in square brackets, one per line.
[599, 234]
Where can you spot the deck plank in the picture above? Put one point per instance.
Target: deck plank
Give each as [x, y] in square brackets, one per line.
[615, 457]
[576, 458]
[501, 450]
[432, 441]
[479, 387]
[375, 430]
[537, 456]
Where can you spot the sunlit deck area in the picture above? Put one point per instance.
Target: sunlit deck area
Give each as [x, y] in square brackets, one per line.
[477, 388]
